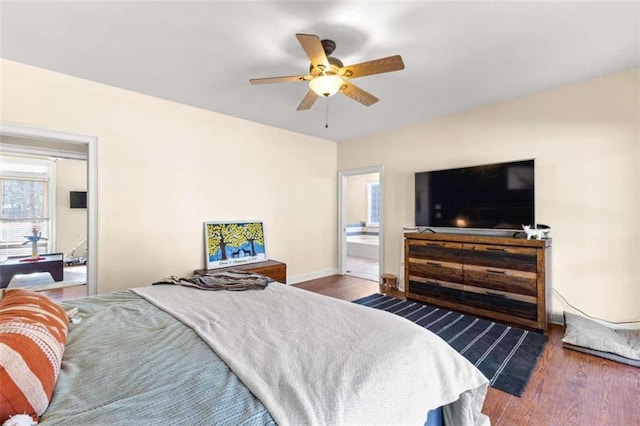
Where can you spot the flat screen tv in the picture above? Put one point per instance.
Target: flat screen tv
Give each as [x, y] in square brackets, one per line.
[78, 199]
[491, 196]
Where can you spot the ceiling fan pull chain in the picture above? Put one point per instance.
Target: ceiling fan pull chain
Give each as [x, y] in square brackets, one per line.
[326, 114]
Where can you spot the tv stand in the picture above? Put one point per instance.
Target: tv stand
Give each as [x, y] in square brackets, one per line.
[499, 278]
[467, 231]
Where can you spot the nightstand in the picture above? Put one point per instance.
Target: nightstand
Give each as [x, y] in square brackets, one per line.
[270, 268]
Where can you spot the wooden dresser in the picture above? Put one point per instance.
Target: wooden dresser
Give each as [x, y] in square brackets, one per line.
[499, 278]
[270, 268]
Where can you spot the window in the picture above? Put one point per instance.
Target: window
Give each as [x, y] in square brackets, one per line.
[25, 204]
[373, 204]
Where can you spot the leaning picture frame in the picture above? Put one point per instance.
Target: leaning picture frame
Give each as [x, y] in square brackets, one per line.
[233, 243]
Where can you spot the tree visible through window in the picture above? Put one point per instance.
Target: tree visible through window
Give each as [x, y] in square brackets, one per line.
[24, 194]
[373, 204]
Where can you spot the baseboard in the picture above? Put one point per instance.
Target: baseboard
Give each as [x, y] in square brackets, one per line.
[312, 276]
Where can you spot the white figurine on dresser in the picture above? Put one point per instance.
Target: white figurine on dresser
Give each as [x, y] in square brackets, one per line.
[538, 234]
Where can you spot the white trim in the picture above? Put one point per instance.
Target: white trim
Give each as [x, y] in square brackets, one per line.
[311, 276]
[53, 220]
[22, 131]
[32, 150]
[342, 221]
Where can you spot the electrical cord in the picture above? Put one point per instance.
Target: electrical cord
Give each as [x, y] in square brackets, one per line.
[427, 229]
[592, 317]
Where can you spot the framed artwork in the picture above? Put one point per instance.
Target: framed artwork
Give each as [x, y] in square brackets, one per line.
[233, 243]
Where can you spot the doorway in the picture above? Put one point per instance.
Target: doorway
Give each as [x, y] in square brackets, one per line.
[44, 143]
[361, 236]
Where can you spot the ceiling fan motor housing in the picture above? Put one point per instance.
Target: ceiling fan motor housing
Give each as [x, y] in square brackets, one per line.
[329, 46]
[334, 63]
[334, 67]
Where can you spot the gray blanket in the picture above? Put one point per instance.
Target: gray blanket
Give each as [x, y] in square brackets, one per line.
[231, 280]
[130, 363]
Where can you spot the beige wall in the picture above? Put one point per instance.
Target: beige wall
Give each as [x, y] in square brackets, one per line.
[165, 168]
[71, 224]
[585, 139]
[356, 196]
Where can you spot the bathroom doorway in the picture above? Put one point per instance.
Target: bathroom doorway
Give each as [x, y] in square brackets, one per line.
[360, 245]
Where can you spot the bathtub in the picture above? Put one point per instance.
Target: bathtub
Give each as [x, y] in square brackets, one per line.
[363, 246]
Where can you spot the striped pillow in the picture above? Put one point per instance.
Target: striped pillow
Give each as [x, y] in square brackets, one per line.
[33, 332]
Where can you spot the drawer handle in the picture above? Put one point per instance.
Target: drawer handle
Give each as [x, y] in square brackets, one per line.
[491, 293]
[435, 244]
[497, 271]
[434, 264]
[437, 284]
[496, 249]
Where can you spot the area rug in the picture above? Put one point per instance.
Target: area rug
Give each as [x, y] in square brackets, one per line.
[505, 355]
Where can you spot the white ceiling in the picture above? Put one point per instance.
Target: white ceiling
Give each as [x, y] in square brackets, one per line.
[458, 55]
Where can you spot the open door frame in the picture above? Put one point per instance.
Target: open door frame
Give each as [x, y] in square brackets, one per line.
[21, 131]
[342, 216]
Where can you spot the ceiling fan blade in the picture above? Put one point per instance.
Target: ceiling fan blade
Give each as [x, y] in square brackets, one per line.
[308, 101]
[314, 50]
[287, 79]
[377, 66]
[357, 94]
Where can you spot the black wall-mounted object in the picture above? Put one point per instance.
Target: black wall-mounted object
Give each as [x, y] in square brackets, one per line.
[78, 199]
[491, 196]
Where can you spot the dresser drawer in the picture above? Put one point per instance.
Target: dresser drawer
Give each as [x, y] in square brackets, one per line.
[435, 250]
[501, 257]
[436, 269]
[517, 305]
[501, 280]
[436, 289]
[276, 272]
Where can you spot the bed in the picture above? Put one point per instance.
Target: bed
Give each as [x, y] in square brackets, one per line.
[168, 353]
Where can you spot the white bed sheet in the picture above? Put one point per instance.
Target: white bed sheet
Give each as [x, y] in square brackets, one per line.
[312, 359]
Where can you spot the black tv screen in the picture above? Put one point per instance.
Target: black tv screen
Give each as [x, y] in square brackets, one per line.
[492, 196]
[78, 199]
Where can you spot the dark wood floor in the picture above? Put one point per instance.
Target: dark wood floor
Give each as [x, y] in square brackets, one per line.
[567, 387]
[65, 293]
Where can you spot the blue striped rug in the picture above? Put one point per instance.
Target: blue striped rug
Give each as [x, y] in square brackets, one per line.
[505, 355]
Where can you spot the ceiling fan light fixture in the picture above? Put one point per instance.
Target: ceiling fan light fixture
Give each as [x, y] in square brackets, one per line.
[326, 85]
[328, 75]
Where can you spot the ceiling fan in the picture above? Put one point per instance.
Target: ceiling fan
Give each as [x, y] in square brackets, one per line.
[328, 76]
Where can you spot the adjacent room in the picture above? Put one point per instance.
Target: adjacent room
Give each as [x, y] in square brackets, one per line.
[44, 219]
[334, 187]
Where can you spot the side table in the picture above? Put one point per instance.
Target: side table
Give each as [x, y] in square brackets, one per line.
[270, 268]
